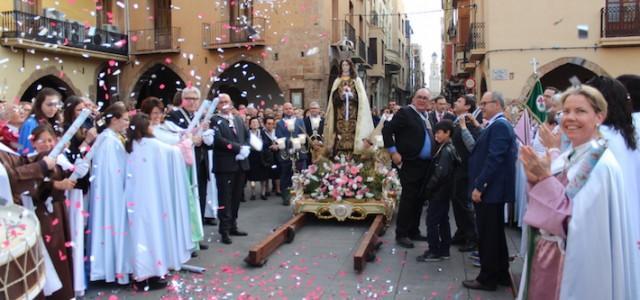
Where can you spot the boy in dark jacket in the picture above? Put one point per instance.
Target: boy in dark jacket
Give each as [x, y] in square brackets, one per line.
[439, 188]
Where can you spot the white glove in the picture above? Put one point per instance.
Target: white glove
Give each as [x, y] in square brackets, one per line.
[207, 137]
[245, 151]
[64, 162]
[82, 168]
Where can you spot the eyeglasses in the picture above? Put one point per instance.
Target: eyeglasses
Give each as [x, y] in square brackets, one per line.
[191, 98]
[483, 103]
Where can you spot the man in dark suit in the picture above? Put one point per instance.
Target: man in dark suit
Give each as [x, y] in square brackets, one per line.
[460, 201]
[313, 124]
[440, 112]
[181, 117]
[409, 139]
[231, 147]
[286, 166]
[492, 173]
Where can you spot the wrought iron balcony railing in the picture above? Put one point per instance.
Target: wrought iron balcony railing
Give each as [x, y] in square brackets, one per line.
[476, 38]
[350, 32]
[616, 21]
[362, 49]
[237, 32]
[155, 40]
[27, 26]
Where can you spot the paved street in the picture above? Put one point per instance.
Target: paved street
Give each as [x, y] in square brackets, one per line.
[317, 265]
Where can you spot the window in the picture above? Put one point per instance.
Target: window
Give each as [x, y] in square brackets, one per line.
[373, 51]
[32, 7]
[297, 97]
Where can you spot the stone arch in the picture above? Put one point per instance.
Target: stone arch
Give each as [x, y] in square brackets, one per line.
[246, 81]
[566, 62]
[60, 81]
[158, 80]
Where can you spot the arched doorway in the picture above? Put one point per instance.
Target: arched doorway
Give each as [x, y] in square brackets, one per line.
[158, 81]
[558, 72]
[559, 77]
[49, 81]
[247, 82]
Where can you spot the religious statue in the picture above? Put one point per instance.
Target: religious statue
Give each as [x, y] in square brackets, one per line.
[348, 118]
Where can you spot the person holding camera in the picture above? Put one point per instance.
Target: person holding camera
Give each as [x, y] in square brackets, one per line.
[466, 129]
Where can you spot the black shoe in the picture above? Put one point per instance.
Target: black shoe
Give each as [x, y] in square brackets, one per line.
[263, 197]
[468, 247]
[278, 194]
[457, 240]
[418, 237]
[253, 198]
[203, 246]
[194, 254]
[236, 232]
[445, 255]
[476, 285]
[404, 242]
[428, 257]
[156, 283]
[211, 221]
[225, 239]
[153, 283]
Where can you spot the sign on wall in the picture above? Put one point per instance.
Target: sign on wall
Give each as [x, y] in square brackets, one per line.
[500, 74]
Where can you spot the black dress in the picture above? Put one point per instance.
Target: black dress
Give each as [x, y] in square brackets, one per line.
[259, 165]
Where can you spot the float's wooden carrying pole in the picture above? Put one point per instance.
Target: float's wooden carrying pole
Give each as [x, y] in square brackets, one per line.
[369, 244]
[284, 234]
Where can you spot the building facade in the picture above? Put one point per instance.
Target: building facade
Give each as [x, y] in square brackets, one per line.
[264, 52]
[62, 45]
[582, 39]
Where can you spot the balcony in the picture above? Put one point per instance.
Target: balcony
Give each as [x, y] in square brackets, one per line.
[30, 31]
[234, 34]
[155, 40]
[361, 56]
[392, 61]
[620, 26]
[476, 42]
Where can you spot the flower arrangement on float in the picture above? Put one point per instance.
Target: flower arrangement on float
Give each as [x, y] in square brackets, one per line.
[347, 179]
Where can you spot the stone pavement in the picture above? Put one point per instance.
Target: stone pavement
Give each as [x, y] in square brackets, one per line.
[317, 265]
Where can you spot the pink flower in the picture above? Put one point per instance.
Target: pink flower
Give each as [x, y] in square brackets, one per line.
[312, 169]
[354, 170]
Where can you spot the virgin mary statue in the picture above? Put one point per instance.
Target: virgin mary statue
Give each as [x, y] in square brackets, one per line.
[348, 118]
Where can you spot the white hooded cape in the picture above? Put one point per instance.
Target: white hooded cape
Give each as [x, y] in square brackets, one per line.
[108, 258]
[156, 192]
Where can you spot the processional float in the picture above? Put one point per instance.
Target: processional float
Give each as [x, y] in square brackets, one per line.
[345, 188]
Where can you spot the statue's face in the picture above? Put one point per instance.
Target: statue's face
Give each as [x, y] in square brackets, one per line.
[346, 67]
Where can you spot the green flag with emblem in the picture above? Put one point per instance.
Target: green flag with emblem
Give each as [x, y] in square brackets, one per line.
[536, 102]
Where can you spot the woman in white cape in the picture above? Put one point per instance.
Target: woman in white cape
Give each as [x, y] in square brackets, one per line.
[156, 192]
[582, 246]
[108, 258]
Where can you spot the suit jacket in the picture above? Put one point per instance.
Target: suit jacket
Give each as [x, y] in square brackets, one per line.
[227, 144]
[307, 126]
[492, 164]
[182, 118]
[406, 132]
[283, 132]
[447, 116]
